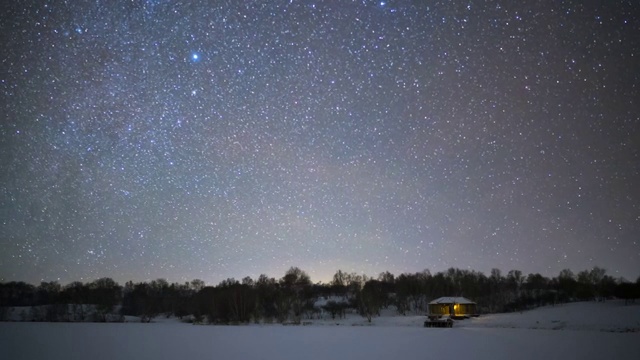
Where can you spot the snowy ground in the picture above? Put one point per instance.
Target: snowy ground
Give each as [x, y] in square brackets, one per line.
[610, 316]
[583, 331]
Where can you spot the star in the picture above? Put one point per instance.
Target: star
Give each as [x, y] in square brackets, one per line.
[211, 140]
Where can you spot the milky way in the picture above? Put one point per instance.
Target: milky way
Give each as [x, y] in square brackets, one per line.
[202, 139]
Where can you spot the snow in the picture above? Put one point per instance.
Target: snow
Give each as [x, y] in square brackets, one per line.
[590, 331]
[611, 316]
[452, 300]
[322, 301]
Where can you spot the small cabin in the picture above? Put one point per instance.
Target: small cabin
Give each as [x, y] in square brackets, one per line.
[455, 307]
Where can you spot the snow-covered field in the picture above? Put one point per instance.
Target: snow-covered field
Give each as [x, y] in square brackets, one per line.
[610, 316]
[583, 331]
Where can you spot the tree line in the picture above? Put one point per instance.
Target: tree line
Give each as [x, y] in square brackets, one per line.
[294, 298]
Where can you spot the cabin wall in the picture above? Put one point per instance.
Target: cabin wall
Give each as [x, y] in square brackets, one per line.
[465, 309]
[459, 309]
[439, 309]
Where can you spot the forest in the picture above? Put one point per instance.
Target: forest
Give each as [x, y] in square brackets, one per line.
[294, 297]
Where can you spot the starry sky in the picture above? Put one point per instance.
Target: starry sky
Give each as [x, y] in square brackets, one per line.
[215, 139]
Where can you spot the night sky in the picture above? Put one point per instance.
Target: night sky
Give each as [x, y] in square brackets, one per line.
[215, 139]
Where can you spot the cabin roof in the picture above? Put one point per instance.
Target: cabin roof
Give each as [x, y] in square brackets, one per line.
[452, 300]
